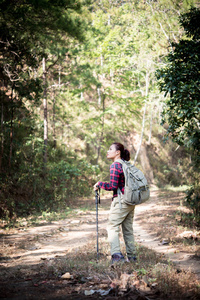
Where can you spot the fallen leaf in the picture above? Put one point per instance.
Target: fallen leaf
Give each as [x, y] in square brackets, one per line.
[145, 280]
[87, 293]
[66, 276]
[136, 283]
[154, 284]
[124, 280]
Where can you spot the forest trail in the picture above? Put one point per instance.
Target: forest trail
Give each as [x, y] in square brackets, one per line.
[27, 247]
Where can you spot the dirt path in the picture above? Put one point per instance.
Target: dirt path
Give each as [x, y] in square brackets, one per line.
[182, 259]
[25, 247]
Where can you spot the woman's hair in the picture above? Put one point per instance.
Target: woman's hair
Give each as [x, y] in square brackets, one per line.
[125, 154]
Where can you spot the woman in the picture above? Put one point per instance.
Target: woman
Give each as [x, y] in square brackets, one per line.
[119, 214]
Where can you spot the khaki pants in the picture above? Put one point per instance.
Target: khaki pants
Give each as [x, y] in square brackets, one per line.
[121, 216]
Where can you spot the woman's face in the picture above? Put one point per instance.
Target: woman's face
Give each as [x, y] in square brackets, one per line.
[112, 153]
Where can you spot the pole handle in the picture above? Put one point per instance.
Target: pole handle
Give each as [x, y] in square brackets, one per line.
[97, 196]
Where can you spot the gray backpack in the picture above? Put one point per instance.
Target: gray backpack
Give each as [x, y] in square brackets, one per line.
[136, 190]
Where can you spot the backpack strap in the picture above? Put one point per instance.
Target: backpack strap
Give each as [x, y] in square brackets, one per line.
[119, 193]
[120, 161]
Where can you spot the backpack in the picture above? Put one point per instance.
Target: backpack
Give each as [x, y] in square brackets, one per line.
[136, 189]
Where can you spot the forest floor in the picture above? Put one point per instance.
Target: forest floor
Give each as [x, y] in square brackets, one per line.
[32, 259]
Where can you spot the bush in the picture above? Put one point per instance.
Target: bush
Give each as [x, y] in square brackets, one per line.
[193, 201]
[31, 189]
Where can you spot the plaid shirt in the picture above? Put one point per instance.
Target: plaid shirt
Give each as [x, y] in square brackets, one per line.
[116, 179]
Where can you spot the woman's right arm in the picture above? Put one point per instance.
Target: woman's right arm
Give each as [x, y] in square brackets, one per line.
[114, 179]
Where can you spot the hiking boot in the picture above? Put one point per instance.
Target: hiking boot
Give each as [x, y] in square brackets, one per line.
[132, 258]
[117, 257]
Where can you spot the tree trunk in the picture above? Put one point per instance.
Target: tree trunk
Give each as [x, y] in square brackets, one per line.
[54, 121]
[102, 130]
[150, 131]
[101, 98]
[11, 132]
[145, 164]
[2, 137]
[45, 113]
[142, 133]
[99, 94]
[144, 115]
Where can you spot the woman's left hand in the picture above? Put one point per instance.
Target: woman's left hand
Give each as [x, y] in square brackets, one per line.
[96, 187]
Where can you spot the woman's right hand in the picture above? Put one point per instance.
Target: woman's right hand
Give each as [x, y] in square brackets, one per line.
[96, 187]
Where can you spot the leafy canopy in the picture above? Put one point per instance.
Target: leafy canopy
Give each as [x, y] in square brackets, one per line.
[29, 28]
[180, 80]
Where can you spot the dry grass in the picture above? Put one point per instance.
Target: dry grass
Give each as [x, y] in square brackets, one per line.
[150, 275]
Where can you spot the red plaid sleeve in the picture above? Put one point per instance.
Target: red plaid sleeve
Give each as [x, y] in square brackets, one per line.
[116, 179]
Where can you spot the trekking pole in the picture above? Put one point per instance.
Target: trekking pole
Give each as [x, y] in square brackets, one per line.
[97, 201]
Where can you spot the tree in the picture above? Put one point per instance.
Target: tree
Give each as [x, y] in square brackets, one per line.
[29, 30]
[180, 79]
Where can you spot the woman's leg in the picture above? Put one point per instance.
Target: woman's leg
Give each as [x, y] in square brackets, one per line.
[116, 218]
[113, 227]
[127, 229]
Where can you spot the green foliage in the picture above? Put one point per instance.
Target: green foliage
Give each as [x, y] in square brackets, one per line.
[180, 79]
[95, 91]
[193, 201]
[190, 22]
[31, 189]
[31, 30]
[170, 164]
[28, 32]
